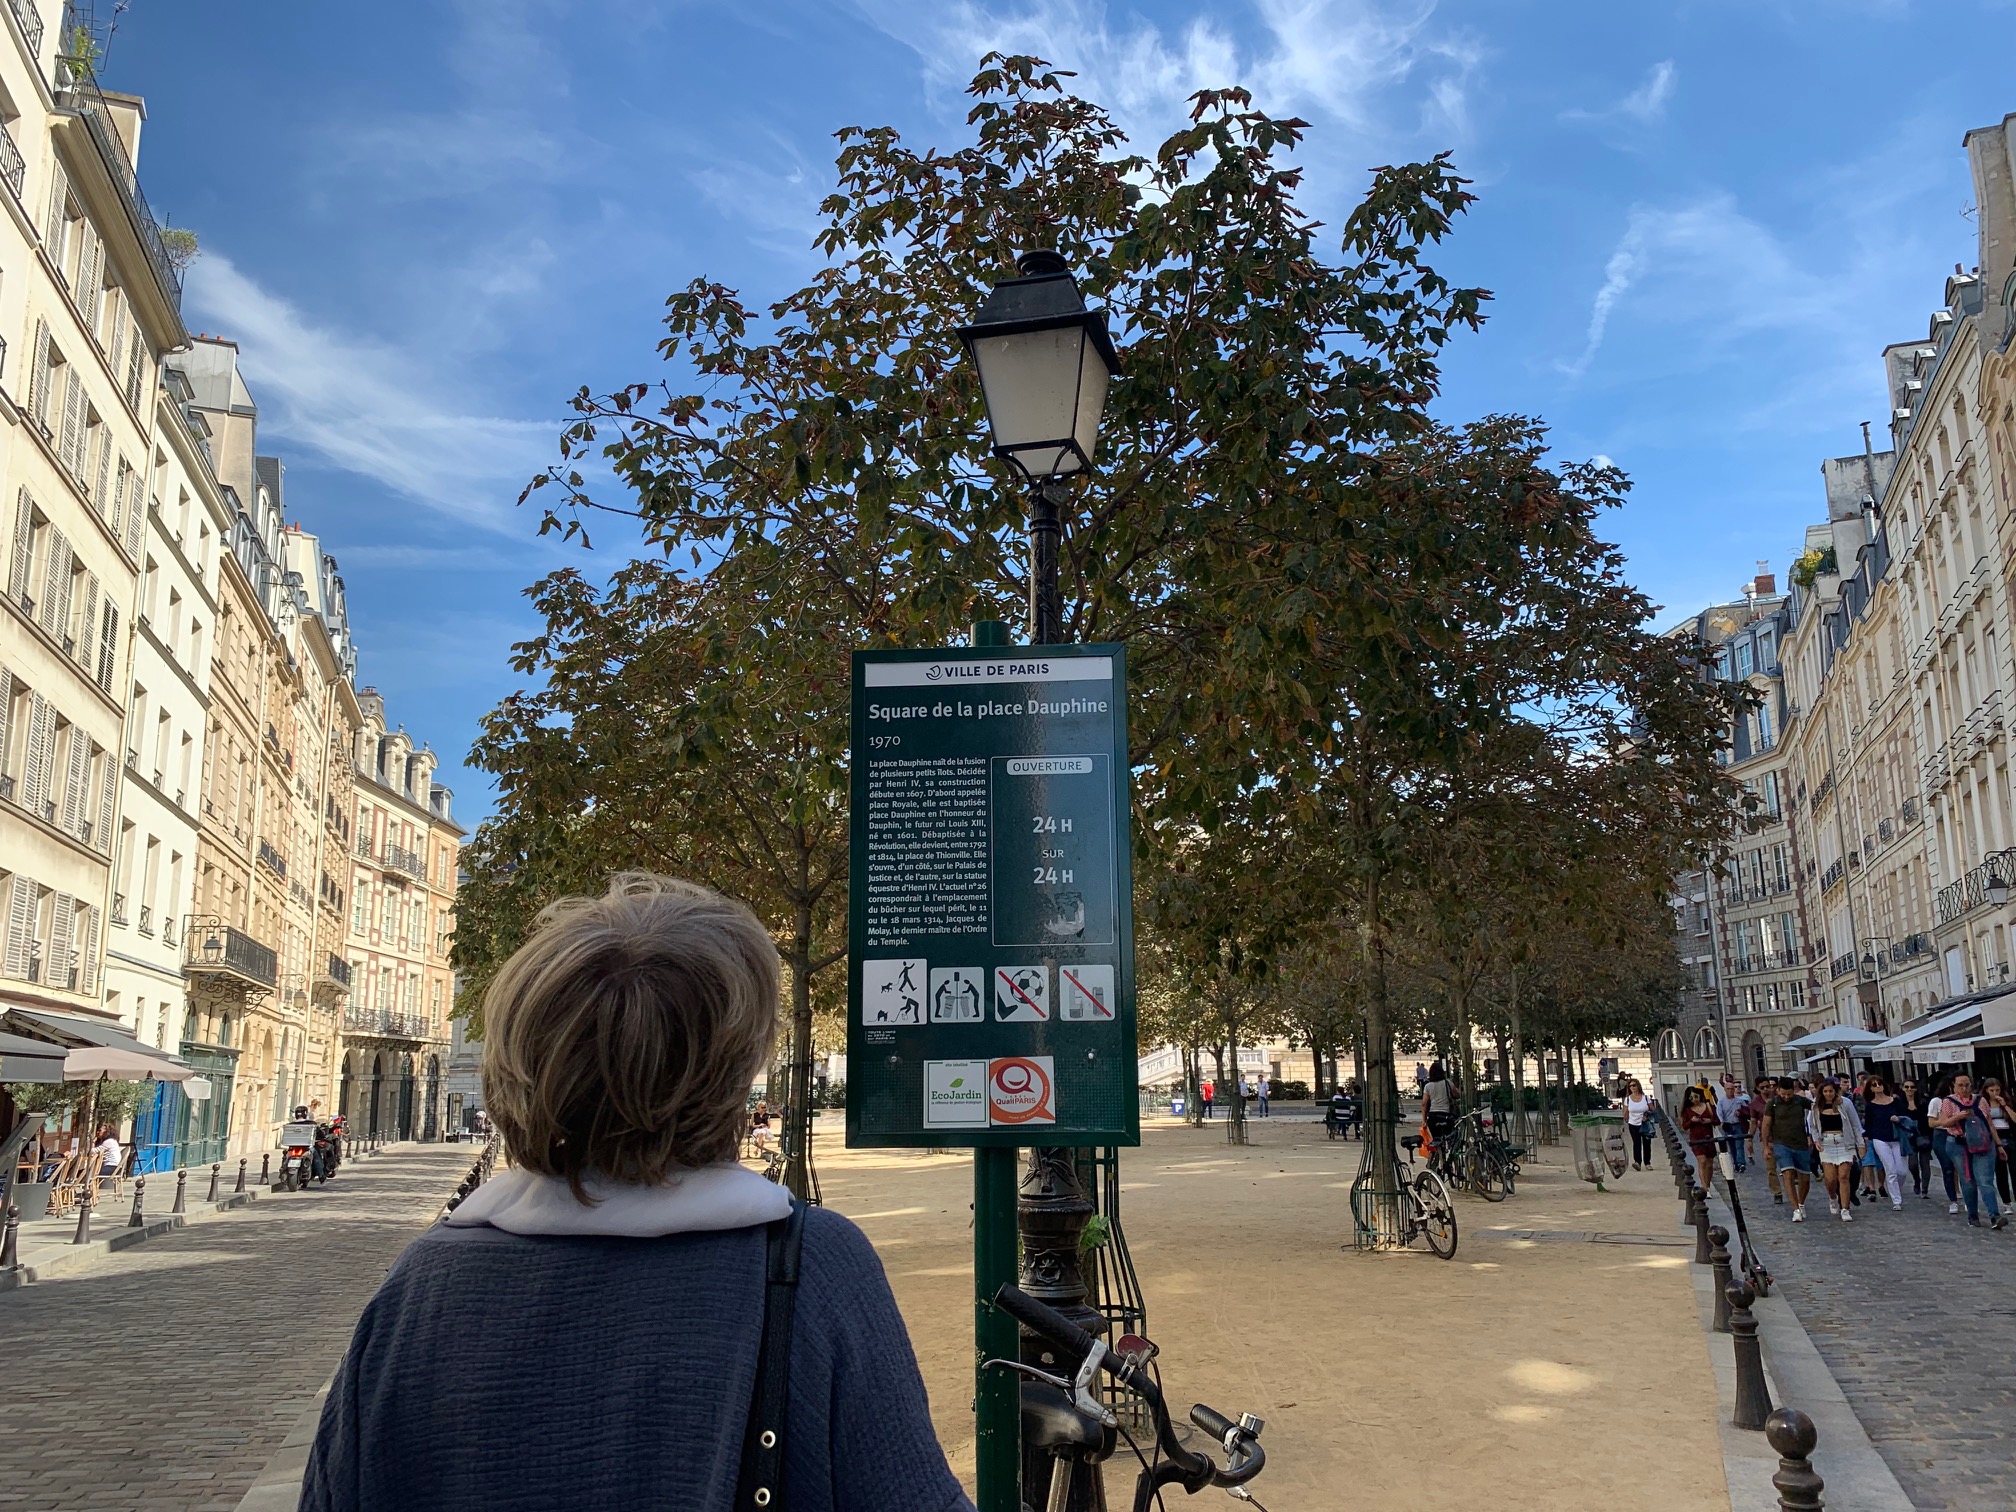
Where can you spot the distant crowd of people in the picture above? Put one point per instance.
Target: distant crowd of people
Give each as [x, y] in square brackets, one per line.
[1864, 1137]
[1257, 1095]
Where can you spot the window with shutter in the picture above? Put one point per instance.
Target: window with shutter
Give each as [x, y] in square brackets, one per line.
[115, 303]
[91, 276]
[102, 474]
[56, 970]
[136, 369]
[22, 895]
[136, 517]
[108, 790]
[6, 717]
[57, 224]
[68, 449]
[87, 625]
[76, 783]
[39, 754]
[23, 559]
[38, 376]
[54, 609]
[87, 935]
[108, 647]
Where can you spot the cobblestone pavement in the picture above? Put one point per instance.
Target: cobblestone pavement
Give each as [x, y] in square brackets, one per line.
[164, 1377]
[1915, 1313]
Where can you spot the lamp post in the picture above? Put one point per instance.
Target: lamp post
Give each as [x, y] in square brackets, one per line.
[1045, 363]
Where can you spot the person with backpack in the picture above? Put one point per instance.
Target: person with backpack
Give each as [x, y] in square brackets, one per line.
[1976, 1145]
[1732, 1111]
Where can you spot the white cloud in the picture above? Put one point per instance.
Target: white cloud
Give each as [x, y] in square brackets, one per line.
[367, 408]
[1335, 58]
[1646, 104]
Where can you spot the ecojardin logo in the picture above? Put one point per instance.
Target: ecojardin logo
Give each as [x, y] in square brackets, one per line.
[955, 1094]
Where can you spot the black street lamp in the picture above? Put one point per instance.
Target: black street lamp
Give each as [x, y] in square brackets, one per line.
[1045, 363]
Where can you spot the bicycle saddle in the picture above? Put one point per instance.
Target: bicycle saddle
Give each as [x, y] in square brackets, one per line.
[1410, 1141]
[1051, 1424]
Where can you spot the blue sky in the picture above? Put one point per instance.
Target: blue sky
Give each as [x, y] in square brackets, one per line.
[428, 224]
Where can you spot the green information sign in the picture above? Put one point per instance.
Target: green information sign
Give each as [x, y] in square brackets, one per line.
[991, 927]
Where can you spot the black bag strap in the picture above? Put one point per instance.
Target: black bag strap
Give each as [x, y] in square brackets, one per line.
[760, 1484]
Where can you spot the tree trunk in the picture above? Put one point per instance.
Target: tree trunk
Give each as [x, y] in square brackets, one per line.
[1379, 1090]
[1236, 1131]
[1218, 1086]
[1581, 1064]
[1517, 1066]
[1193, 1098]
[1468, 1086]
[798, 1107]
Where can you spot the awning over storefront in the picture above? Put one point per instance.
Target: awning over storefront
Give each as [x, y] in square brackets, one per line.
[1836, 1037]
[29, 1060]
[94, 1050]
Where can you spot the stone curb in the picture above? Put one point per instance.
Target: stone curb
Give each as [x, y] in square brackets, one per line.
[1857, 1477]
[277, 1488]
[51, 1260]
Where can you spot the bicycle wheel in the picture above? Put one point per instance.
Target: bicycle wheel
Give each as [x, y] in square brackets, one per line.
[1437, 1213]
[1486, 1176]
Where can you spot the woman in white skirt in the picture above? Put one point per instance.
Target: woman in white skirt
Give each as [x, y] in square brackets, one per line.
[1833, 1125]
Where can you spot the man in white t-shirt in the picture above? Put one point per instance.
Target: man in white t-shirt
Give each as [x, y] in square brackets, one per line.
[1266, 1089]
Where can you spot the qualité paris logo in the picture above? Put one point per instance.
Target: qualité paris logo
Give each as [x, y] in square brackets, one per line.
[1019, 1090]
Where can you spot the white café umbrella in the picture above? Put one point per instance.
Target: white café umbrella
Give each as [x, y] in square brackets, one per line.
[107, 1062]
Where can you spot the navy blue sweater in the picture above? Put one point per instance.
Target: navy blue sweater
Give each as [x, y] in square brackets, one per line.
[498, 1371]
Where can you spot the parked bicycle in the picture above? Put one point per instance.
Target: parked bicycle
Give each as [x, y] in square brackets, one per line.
[1426, 1209]
[1064, 1418]
[1474, 1155]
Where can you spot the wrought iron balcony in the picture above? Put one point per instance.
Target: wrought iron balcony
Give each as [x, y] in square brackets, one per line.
[1995, 874]
[147, 920]
[339, 970]
[386, 1023]
[1844, 965]
[13, 167]
[79, 92]
[1831, 878]
[213, 948]
[269, 854]
[30, 20]
[119, 908]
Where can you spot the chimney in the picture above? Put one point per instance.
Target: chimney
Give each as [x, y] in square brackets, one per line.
[1767, 584]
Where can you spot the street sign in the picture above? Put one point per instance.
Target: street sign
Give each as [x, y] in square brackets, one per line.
[990, 925]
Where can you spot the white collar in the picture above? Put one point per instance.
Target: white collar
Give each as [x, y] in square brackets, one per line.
[726, 1196]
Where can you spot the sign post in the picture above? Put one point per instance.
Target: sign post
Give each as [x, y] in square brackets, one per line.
[991, 970]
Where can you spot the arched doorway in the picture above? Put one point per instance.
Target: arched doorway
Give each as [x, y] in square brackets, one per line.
[406, 1090]
[431, 1117]
[343, 1086]
[1753, 1056]
[374, 1113]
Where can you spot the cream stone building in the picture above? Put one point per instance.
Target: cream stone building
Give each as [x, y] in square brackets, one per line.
[396, 1036]
[89, 299]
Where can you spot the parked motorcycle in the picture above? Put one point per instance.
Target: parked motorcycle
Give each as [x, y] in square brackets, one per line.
[297, 1161]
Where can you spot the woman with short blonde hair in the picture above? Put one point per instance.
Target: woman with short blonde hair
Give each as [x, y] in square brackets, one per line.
[585, 1329]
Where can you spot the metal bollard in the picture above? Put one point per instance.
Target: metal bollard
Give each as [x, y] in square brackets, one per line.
[215, 1170]
[242, 1163]
[139, 1218]
[181, 1191]
[10, 1241]
[1793, 1435]
[266, 1169]
[1700, 1227]
[1753, 1397]
[83, 1234]
[1718, 1260]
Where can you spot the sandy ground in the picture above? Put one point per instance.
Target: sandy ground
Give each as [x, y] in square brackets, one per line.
[1531, 1372]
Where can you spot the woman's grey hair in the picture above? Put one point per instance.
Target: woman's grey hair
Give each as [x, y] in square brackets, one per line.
[622, 1037]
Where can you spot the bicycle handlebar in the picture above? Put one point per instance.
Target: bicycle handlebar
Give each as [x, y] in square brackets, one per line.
[1194, 1471]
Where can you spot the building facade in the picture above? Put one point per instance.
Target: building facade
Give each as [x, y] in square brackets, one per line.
[88, 299]
[396, 1039]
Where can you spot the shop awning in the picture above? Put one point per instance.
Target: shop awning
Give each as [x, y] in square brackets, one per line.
[1836, 1037]
[1963, 1019]
[95, 1050]
[30, 1060]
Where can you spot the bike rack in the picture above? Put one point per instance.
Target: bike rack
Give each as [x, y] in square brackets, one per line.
[1375, 1211]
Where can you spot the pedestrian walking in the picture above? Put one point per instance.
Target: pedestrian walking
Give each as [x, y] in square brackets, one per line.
[1792, 1145]
[1761, 1093]
[1975, 1145]
[1420, 1078]
[2000, 1115]
[1638, 1119]
[1732, 1111]
[1943, 1148]
[1884, 1120]
[1265, 1089]
[619, 1043]
[1836, 1131]
[1917, 1140]
[1204, 1094]
[1699, 1127]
